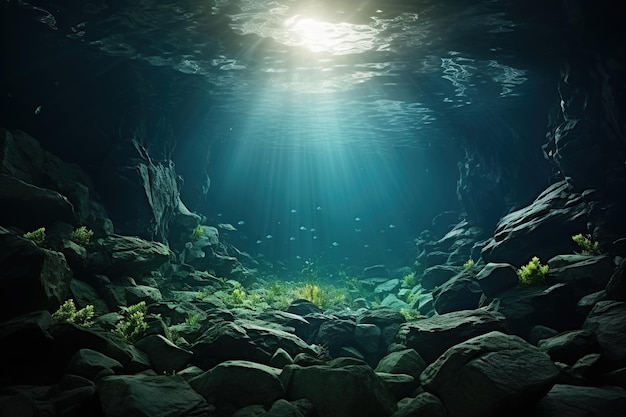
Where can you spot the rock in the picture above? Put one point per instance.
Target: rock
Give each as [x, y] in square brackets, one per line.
[488, 374]
[165, 356]
[531, 231]
[243, 340]
[406, 361]
[539, 332]
[496, 277]
[425, 404]
[145, 293]
[367, 337]
[127, 255]
[399, 385]
[375, 271]
[339, 391]
[607, 320]
[551, 306]
[280, 359]
[461, 292]
[570, 346]
[335, 334]
[583, 274]
[575, 401]
[148, 395]
[393, 302]
[437, 275]
[30, 207]
[36, 278]
[433, 336]
[387, 286]
[381, 317]
[235, 384]
[141, 194]
[616, 287]
[88, 363]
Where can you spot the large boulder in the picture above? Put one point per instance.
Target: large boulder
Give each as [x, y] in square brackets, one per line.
[33, 278]
[491, 374]
[339, 390]
[544, 228]
[149, 395]
[433, 336]
[127, 255]
[235, 384]
[607, 320]
[575, 401]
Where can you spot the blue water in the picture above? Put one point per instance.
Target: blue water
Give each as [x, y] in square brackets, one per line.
[346, 117]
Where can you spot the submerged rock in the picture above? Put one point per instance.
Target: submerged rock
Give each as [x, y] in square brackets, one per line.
[352, 390]
[490, 374]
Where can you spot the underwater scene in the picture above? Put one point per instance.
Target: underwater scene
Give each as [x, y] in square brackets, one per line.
[312, 208]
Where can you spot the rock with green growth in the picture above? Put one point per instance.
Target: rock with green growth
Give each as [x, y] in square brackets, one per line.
[81, 235]
[38, 236]
[533, 273]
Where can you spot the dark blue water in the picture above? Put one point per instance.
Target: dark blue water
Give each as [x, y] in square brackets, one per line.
[329, 129]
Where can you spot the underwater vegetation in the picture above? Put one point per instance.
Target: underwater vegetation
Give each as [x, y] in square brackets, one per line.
[38, 236]
[533, 273]
[586, 244]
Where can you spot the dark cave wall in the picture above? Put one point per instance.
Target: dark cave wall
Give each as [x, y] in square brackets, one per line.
[119, 120]
[584, 135]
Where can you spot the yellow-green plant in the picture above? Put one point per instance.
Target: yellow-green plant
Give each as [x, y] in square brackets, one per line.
[586, 244]
[198, 232]
[38, 236]
[193, 319]
[81, 235]
[311, 292]
[469, 264]
[133, 324]
[409, 280]
[410, 314]
[238, 295]
[533, 273]
[68, 313]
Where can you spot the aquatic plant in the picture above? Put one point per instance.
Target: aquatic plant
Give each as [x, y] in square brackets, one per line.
[38, 236]
[238, 295]
[133, 324]
[533, 273]
[411, 314]
[469, 264]
[68, 313]
[81, 235]
[197, 232]
[409, 280]
[587, 245]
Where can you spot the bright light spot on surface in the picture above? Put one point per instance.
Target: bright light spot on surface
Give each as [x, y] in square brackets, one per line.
[319, 36]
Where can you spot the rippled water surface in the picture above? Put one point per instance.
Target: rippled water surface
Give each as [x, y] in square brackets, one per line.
[358, 73]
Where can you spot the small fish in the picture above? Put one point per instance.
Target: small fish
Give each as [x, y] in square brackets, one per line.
[313, 230]
[357, 219]
[318, 208]
[292, 238]
[335, 244]
[293, 211]
[314, 237]
[356, 229]
[269, 237]
[298, 257]
[366, 246]
[302, 228]
[392, 226]
[37, 110]
[259, 241]
[241, 222]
